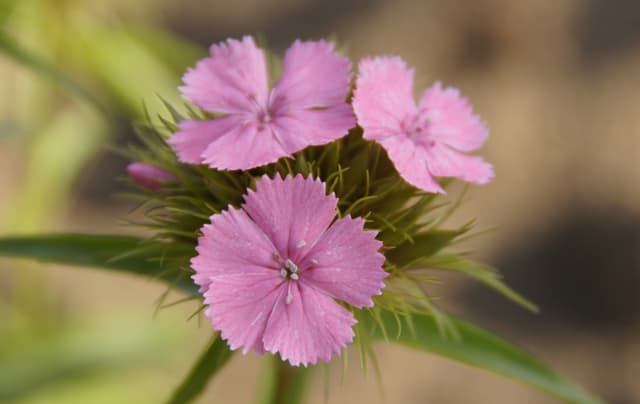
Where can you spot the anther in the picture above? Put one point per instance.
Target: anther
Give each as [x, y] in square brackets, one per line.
[283, 272]
[301, 244]
[289, 298]
[295, 277]
[291, 266]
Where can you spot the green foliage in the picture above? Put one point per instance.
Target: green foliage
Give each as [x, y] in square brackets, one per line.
[212, 360]
[31, 363]
[475, 347]
[471, 344]
[283, 384]
[481, 272]
[409, 222]
[163, 261]
[47, 70]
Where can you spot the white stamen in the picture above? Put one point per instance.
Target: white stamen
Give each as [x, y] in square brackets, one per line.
[291, 266]
[295, 277]
[301, 244]
[289, 298]
[314, 261]
[276, 256]
[283, 272]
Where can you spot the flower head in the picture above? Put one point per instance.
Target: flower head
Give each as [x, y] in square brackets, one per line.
[270, 271]
[149, 176]
[306, 106]
[423, 141]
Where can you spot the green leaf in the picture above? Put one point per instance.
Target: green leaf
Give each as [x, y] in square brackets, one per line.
[483, 273]
[476, 347]
[120, 253]
[45, 69]
[211, 361]
[31, 362]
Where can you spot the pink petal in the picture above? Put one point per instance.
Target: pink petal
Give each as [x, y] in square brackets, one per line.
[232, 244]
[247, 146]
[232, 80]
[445, 162]
[301, 128]
[411, 162]
[311, 327]
[193, 137]
[293, 212]
[451, 118]
[240, 306]
[345, 263]
[313, 76]
[383, 97]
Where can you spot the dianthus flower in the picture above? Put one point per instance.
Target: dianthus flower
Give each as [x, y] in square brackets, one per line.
[423, 141]
[307, 106]
[270, 271]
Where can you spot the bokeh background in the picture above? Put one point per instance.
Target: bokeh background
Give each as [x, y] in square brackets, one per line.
[557, 82]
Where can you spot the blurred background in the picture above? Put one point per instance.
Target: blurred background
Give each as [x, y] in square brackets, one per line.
[557, 83]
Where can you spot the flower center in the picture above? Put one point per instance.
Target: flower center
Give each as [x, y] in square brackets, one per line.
[417, 129]
[290, 270]
[262, 111]
[263, 116]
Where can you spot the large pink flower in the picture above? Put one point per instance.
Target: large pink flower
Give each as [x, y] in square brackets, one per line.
[270, 271]
[423, 141]
[306, 106]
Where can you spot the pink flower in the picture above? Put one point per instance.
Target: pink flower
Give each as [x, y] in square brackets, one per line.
[270, 271]
[423, 141]
[149, 176]
[306, 106]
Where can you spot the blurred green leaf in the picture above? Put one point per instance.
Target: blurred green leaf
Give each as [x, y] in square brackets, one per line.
[211, 361]
[56, 154]
[478, 348]
[10, 128]
[176, 52]
[106, 53]
[135, 255]
[475, 346]
[45, 69]
[6, 8]
[29, 364]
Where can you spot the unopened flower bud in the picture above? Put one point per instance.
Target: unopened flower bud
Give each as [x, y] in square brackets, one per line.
[149, 176]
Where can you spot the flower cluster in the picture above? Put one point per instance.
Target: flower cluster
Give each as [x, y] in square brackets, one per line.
[306, 201]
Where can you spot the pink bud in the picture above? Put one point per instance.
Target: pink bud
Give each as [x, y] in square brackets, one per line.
[149, 176]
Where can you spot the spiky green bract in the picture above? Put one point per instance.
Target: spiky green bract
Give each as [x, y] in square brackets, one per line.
[409, 222]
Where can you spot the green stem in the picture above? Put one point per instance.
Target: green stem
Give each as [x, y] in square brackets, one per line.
[210, 362]
[283, 383]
